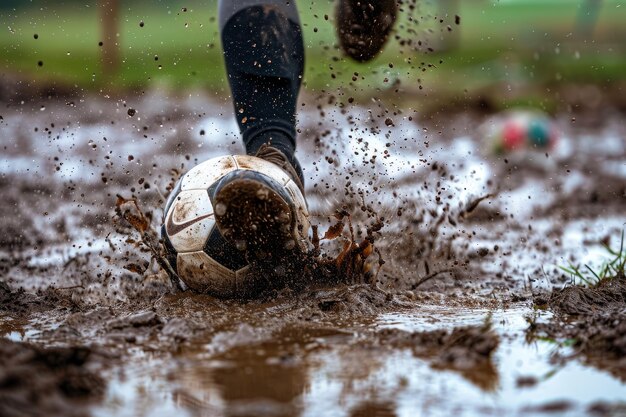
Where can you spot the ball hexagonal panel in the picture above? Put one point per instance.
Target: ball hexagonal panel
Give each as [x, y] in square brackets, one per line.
[190, 220]
[224, 252]
[202, 176]
[264, 167]
[202, 273]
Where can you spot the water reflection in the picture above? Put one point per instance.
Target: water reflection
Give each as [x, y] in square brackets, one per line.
[484, 376]
[318, 371]
[11, 328]
[258, 380]
[371, 408]
[251, 379]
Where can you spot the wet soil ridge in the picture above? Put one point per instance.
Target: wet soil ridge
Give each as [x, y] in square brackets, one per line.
[593, 318]
[19, 303]
[37, 381]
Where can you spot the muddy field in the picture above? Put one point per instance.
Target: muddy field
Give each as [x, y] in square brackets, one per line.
[466, 316]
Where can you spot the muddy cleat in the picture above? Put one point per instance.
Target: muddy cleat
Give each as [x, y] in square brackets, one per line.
[260, 208]
[363, 26]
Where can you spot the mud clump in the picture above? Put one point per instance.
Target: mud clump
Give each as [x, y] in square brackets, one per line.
[352, 300]
[609, 294]
[594, 317]
[140, 319]
[21, 303]
[63, 385]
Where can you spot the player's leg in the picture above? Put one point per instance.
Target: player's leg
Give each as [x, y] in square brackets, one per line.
[264, 56]
[263, 216]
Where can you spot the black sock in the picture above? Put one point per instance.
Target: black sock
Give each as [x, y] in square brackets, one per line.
[264, 56]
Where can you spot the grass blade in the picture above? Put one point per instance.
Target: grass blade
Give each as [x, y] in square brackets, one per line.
[594, 273]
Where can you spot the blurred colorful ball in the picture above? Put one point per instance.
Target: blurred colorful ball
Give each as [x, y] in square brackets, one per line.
[519, 130]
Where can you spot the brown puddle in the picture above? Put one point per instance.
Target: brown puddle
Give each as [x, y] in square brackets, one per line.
[342, 370]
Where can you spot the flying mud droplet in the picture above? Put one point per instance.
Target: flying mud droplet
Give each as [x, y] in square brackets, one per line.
[241, 245]
[334, 231]
[132, 112]
[290, 244]
[220, 209]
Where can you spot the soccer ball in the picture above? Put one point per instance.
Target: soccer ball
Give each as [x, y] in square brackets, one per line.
[196, 250]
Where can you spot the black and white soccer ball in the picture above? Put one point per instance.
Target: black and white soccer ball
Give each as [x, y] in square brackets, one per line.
[196, 250]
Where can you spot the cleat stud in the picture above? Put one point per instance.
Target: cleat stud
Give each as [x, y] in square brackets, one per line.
[220, 209]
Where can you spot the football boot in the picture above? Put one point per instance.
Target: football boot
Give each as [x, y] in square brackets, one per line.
[260, 208]
[363, 26]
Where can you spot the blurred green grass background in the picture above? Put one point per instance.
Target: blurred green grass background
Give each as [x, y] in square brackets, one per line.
[504, 45]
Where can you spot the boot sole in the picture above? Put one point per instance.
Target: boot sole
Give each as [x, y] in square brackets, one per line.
[254, 217]
[367, 42]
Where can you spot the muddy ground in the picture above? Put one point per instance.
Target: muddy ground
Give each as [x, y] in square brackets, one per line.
[465, 317]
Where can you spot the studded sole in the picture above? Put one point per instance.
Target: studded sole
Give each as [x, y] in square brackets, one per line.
[255, 219]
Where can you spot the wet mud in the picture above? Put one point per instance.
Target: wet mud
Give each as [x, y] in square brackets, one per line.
[40, 381]
[471, 244]
[591, 319]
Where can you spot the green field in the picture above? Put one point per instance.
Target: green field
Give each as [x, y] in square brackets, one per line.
[515, 43]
